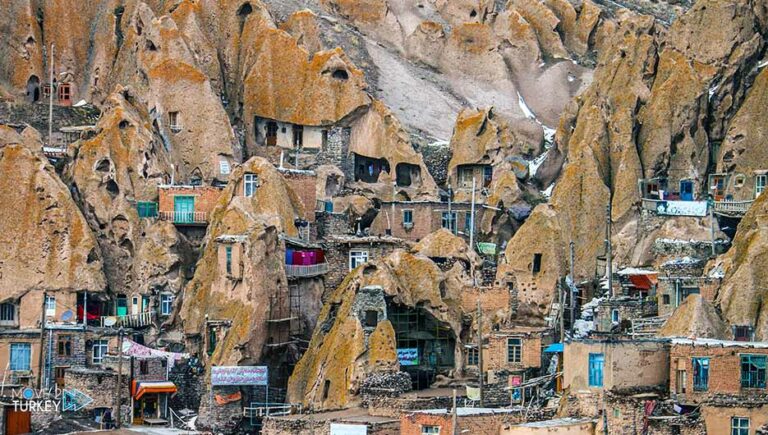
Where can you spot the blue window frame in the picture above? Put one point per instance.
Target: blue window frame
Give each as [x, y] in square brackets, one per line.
[21, 354]
[739, 426]
[228, 250]
[449, 221]
[596, 363]
[753, 371]
[408, 217]
[467, 221]
[700, 374]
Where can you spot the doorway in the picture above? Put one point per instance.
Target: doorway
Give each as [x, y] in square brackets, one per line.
[686, 190]
[33, 89]
[183, 209]
[17, 422]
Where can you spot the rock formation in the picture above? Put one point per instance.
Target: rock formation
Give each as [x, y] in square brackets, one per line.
[695, 318]
[47, 244]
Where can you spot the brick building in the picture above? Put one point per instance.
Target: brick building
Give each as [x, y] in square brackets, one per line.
[672, 291]
[469, 420]
[186, 205]
[304, 184]
[414, 220]
[516, 349]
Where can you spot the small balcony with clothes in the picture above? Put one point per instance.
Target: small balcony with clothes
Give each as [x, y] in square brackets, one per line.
[303, 259]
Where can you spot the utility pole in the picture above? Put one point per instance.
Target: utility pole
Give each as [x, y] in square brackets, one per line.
[454, 416]
[480, 350]
[561, 309]
[50, 100]
[711, 206]
[40, 360]
[394, 196]
[572, 298]
[609, 253]
[118, 389]
[85, 310]
[472, 219]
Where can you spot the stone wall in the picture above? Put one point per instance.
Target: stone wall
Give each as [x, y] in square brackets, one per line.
[427, 218]
[495, 352]
[99, 385]
[187, 376]
[221, 418]
[337, 255]
[411, 424]
[332, 224]
[336, 151]
[436, 158]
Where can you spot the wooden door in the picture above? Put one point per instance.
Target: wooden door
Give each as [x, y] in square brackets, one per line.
[17, 422]
[184, 209]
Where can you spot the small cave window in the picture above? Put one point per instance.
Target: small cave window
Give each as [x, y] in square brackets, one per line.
[340, 74]
[112, 188]
[123, 124]
[473, 14]
[326, 388]
[174, 122]
[298, 135]
[536, 263]
[103, 165]
[245, 10]
[371, 318]
[150, 45]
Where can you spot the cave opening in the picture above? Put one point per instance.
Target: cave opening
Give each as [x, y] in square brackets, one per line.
[425, 345]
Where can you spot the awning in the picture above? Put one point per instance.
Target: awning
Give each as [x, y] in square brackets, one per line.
[554, 348]
[643, 282]
[140, 388]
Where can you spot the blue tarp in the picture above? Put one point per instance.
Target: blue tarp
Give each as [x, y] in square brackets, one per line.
[554, 348]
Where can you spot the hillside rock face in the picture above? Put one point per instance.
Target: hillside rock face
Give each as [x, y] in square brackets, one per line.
[651, 111]
[696, 317]
[742, 296]
[47, 244]
[345, 351]
[123, 163]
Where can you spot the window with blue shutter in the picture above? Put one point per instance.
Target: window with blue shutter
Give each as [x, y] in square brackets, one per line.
[596, 363]
[20, 356]
[700, 374]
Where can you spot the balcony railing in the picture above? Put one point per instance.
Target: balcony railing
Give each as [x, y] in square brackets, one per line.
[732, 208]
[185, 217]
[130, 321]
[299, 271]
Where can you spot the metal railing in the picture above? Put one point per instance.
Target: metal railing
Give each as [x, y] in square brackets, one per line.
[131, 320]
[258, 410]
[732, 207]
[297, 270]
[184, 217]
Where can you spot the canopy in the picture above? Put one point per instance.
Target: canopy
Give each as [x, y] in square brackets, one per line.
[554, 348]
[643, 282]
[140, 388]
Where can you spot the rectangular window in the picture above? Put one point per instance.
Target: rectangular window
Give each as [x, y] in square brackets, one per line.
[465, 177]
[665, 299]
[408, 217]
[146, 209]
[21, 355]
[760, 182]
[739, 426]
[211, 340]
[753, 371]
[64, 345]
[228, 251]
[224, 167]
[250, 182]
[449, 221]
[514, 350]
[298, 135]
[473, 357]
[50, 306]
[429, 430]
[326, 388]
[357, 258]
[173, 121]
[596, 362]
[59, 373]
[166, 304]
[64, 93]
[7, 312]
[536, 267]
[467, 222]
[615, 317]
[742, 333]
[700, 374]
[143, 367]
[371, 318]
[487, 176]
[99, 351]
[681, 381]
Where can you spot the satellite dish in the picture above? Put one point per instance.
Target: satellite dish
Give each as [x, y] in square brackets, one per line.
[66, 316]
[110, 321]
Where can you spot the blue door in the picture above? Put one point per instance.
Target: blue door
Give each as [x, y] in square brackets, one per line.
[686, 190]
[184, 209]
[596, 363]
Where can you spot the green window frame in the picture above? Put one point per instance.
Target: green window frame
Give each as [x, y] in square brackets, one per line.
[753, 371]
[146, 209]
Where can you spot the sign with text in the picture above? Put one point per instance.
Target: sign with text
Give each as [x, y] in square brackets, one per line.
[239, 375]
[408, 356]
[682, 208]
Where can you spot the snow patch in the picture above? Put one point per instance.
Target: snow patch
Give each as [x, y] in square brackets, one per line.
[524, 107]
[548, 191]
[534, 164]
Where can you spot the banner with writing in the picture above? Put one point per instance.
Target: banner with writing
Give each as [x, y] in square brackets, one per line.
[239, 375]
[408, 356]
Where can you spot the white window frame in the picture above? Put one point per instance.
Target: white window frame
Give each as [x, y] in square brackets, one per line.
[737, 430]
[99, 350]
[760, 187]
[358, 257]
[406, 223]
[50, 305]
[166, 304]
[250, 184]
[518, 358]
[224, 167]
[173, 121]
[466, 175]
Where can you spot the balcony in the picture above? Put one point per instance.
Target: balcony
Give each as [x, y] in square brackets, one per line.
[185, 217]
[129, 321]
[300, 271]
[732, 208]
